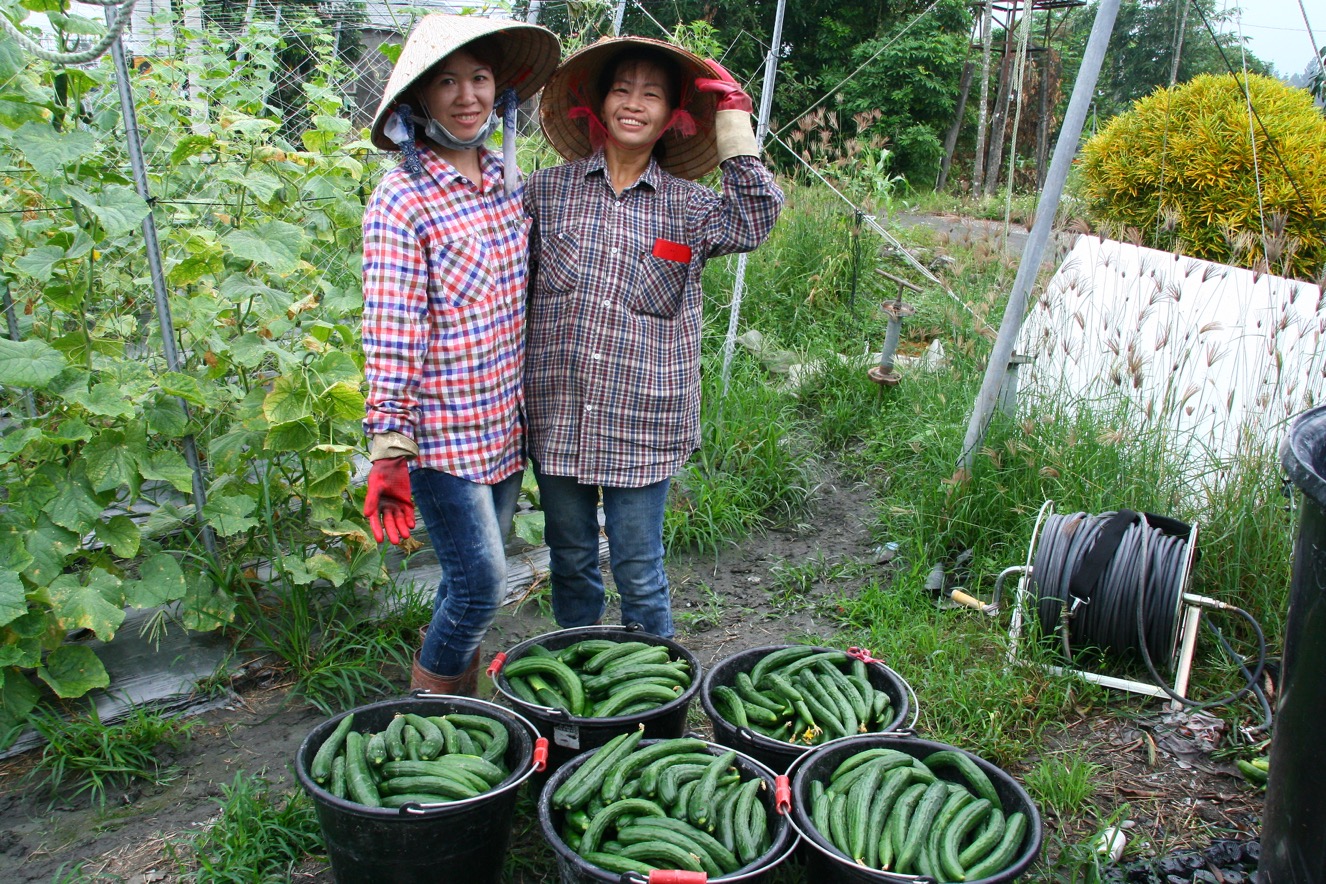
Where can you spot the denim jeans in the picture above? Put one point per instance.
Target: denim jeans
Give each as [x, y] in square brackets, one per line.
[468, 523]
[633, 521]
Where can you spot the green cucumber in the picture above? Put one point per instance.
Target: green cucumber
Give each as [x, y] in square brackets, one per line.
[321, 766]
[443, 786]
[955, 834]
[608, 816]
[968, 769]
[358, 783]
[992, 830]
[568, 681]
[618, 865]
[337, 784]
[701, 808]
[1004, 852]
[433, 742]
[498, 741]
[725, 859]
[616, 778]
[618, 650]
[625, 697]
[776, 659]
[918, 826]
[747, 833]
[395, 737]
[588, 778]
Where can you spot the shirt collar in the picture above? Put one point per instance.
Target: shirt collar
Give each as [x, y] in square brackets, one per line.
[445, 174]
[653, 174]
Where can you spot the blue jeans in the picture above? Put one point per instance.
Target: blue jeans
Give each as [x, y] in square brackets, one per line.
[634, 525]
[468, 523]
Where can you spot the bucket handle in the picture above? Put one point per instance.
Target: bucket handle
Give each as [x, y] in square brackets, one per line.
[782, 794]
[496, 666]
[665, 876]
[540, 756]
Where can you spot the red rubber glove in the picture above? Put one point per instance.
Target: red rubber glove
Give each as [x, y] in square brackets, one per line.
[729, 91]
[389, 498]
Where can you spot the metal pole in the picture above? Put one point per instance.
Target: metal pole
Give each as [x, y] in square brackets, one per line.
[1065, 149]
[617, 18]
[135, 147]
[11, 320]
[761, 130]
[532, 17]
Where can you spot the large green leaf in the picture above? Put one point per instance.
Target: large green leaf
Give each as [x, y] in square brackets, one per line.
[298, 435]
[49, 151]
[13, 601]
[73, 670]
[165, 417]
[111, 462]
[14, 555]
[342, 402]
[49, 545]
[288, 401]
[75, 507]
[160, 581]
[276, 245]
[117, 208]
[12, 445]
[230, 513]
[168, 466]
[184, 386]
[96, 605]
[167, 518]
[249, 350]
[104, 400]
[121, 534]
[205, 608]
[40, 263]
[337, 367]
[191, 146]
[18, 697]
[30, 363]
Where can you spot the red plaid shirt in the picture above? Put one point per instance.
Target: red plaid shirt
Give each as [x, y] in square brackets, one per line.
[444, 316]
[612, 378]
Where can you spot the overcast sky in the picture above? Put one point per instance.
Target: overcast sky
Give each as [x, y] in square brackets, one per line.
[1276, 32]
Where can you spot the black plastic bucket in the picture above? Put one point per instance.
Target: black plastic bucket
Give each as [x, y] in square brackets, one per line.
[569, 735]
[826, 865]
[1293, 850]
[779, 754]
[458, 841]
[572, 869]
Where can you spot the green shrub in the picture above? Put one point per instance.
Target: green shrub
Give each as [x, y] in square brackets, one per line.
[1179, 168]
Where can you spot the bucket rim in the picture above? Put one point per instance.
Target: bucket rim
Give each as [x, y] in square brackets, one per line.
[513, 781]
[767, 743]
[561, 716]
[1016, 867]
[771, 858]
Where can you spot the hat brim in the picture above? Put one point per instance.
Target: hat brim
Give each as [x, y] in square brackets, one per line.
[529, 57]
[685, 156]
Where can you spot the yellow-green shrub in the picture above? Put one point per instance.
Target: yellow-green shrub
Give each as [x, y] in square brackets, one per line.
[1179, 167]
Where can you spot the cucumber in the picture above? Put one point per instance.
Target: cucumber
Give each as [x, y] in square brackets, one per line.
[968, 769]
[776, 659]
[571, 687]
[828, 714]
[852, 762]
[432, 734]
[836, 658]
[859, 802]
[588, 778]
[746, 832]
[990, 834]
[321, 766]
[844, 686]
[608, 680]
[616, 778]
[701, 807]
[608, 816]
[337, 784]
[576, 654]
[955, 834]
[1004, 852]
[358, 784]
[468, 765]
[893, 784]
[725, 831]
[898, 820]
[918, 826]
[498, 741]
[619, 865]
[616, 651]
[725, 859]
[838, 833]
[674, 777]
[413, 742]
[745, 688]
[650, 775]
[647, 654]
[626, 697]
[395, 737]
[662, 855]
[885, 763]
[730, 706]
[441, 786]
[376, 749]
[634, 834]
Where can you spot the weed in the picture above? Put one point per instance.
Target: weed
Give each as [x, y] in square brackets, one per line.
[705, 616]
[260, 836]
[89, 757]
[1063, 784]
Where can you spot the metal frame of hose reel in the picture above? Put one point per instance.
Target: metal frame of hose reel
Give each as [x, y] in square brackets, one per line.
[1185, 638]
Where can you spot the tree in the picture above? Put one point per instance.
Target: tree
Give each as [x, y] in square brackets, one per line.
[1141, 52]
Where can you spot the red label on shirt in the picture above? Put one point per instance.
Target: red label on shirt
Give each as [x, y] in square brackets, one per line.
[672, 251]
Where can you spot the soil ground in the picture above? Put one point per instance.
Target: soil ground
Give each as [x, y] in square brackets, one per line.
[723, 603]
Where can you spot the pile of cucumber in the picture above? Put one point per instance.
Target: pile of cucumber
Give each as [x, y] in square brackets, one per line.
[804, 696]
[887, 810]
[672, 804]
[416, 760]
[598, 678]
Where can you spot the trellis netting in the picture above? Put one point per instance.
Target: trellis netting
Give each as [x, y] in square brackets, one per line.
[1217, 358]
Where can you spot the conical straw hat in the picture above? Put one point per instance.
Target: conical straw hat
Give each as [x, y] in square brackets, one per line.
[576, 82]
[529, 56]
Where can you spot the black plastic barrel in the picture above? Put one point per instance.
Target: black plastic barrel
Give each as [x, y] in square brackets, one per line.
[572, 869]
[1294, 817]
[457, 841]
[826, 865]
[779, 754]
[568, 735]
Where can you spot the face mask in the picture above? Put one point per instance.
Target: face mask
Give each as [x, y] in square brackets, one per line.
[434, 131]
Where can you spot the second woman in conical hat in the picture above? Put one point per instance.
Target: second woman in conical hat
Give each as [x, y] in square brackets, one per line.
[445, 243]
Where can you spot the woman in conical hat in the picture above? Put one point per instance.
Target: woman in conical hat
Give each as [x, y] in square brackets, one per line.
[445, 250]
[622, 234]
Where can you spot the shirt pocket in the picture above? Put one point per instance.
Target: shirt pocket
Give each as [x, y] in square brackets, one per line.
[458, 269]
[559, 262]
[661, 287]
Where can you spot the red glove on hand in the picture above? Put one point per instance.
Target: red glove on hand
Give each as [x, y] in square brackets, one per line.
[389, 496]
[728, 90]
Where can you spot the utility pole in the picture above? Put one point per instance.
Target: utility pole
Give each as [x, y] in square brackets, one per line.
[617, 18]
[1064, 151]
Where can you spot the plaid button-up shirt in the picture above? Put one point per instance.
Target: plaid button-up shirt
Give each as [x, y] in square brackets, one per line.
[444, 317]
[612, 373]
